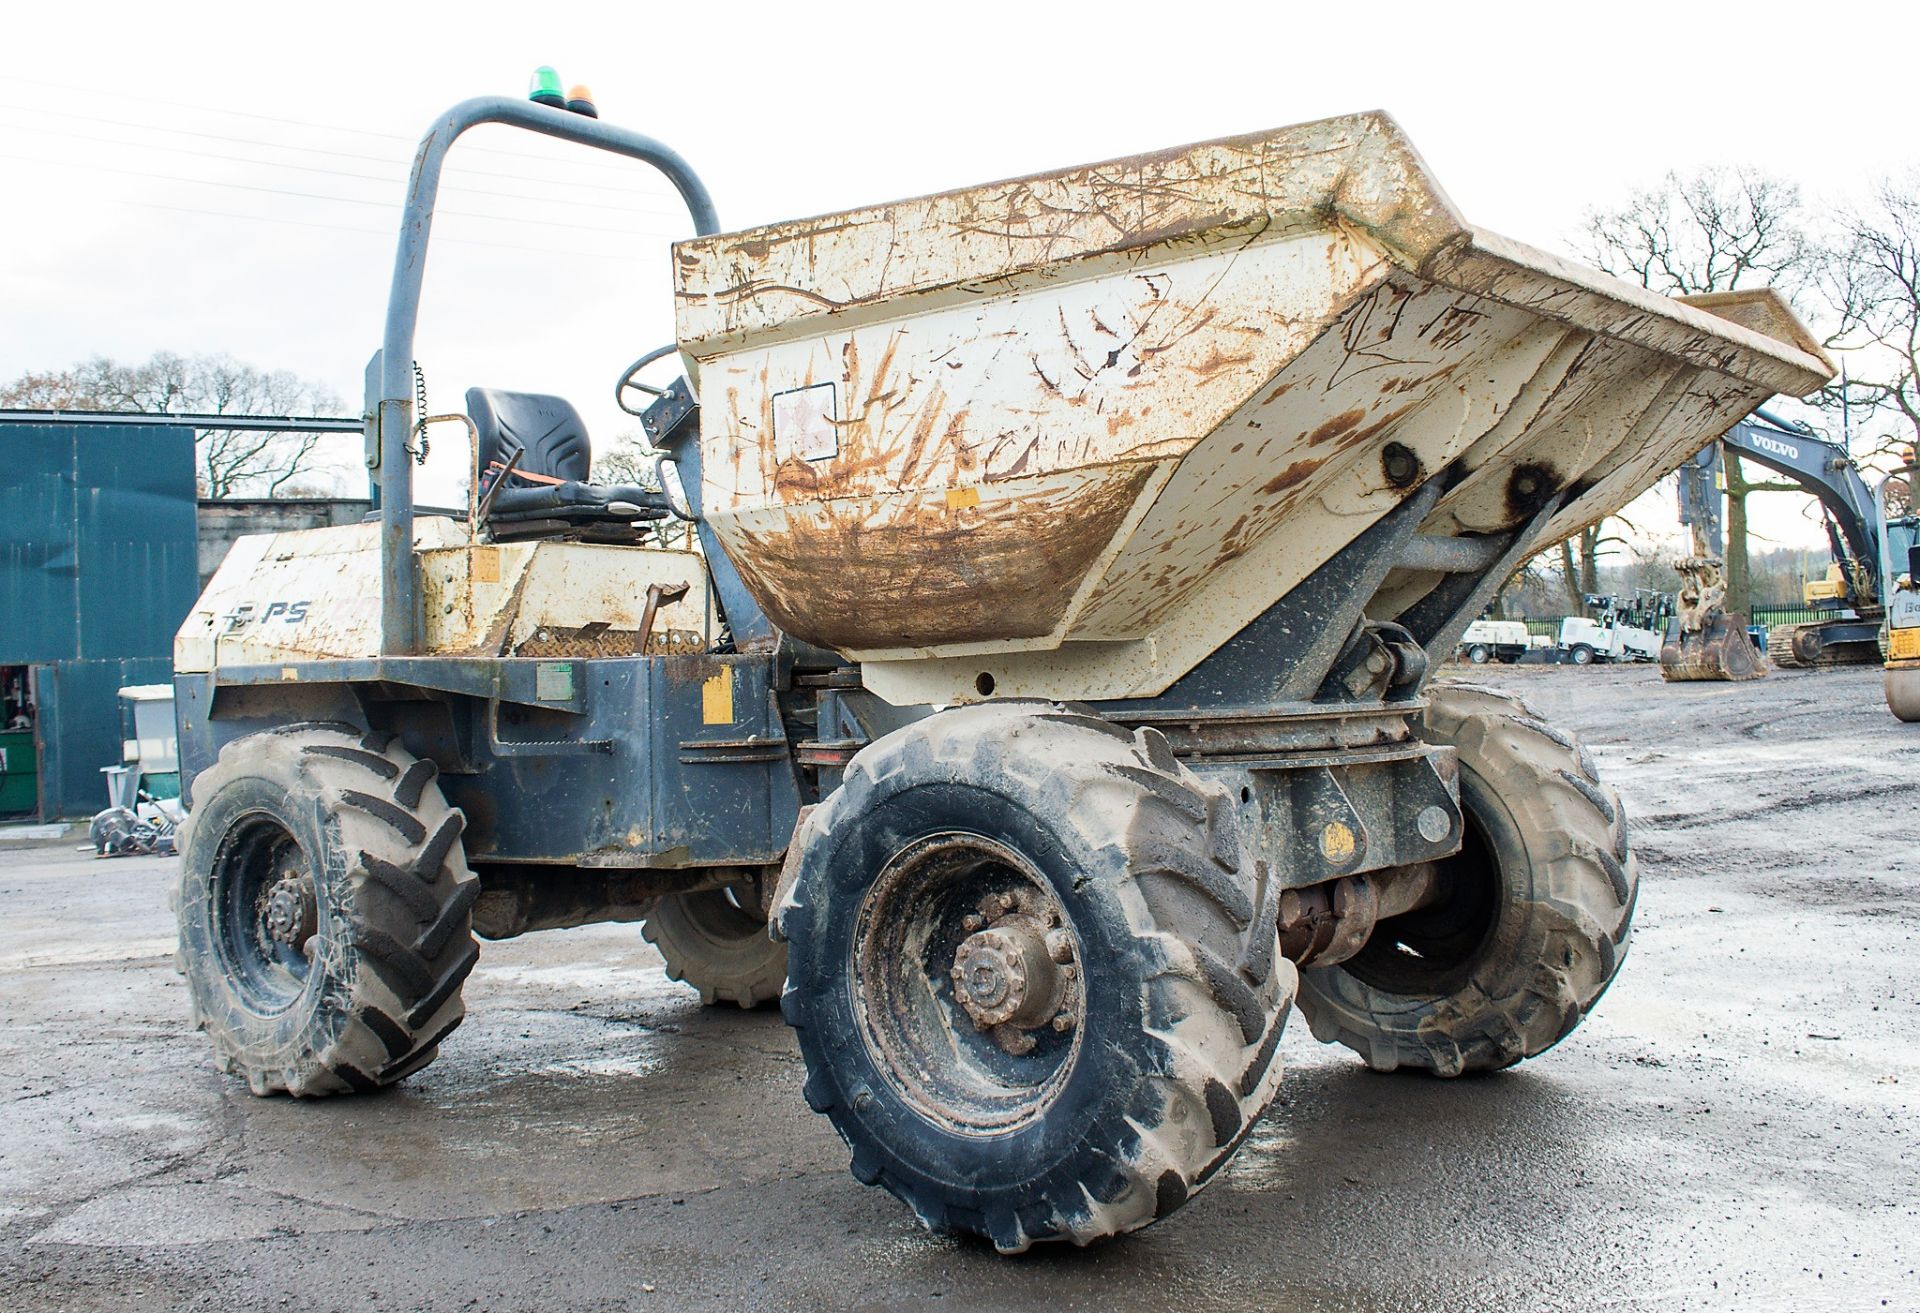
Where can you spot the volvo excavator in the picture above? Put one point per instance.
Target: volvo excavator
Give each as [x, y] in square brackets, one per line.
[1871, 531]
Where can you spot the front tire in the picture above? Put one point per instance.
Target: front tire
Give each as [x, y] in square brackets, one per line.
[1535, 926]
[1479, 654]
[1037, 988]
[325, 911]
[1582, 655]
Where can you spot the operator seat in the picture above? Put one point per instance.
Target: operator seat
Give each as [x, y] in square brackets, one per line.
[547, 492]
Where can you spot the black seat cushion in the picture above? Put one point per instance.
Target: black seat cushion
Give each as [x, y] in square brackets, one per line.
[548, 431]
[551, 440]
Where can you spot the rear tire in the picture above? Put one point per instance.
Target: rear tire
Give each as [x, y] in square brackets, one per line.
[1479, 654]
[719, 947]
[325, 911]
[1535, 927]
[1582, 655]
[915, 920]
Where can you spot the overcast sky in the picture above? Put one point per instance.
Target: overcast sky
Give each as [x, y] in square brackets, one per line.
[226, 178]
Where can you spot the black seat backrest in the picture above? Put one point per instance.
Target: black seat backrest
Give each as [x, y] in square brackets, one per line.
[548, 430]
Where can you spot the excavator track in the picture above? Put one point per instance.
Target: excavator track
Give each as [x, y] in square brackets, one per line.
[1799, 647]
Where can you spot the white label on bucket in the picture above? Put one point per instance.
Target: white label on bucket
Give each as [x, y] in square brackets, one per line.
[803, 424]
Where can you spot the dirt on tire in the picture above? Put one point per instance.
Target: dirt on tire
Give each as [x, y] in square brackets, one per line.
[1186, 993]
[711, 942]
[376, 987]
[1535, 928]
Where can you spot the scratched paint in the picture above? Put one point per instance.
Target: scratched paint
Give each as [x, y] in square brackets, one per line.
[1170, 380]
[314, 594]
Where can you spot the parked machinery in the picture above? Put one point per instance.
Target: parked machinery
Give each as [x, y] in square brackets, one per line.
[1505, 641]
[1870, 529]
[1616, 629]
[1900, 538]
[1052, 676]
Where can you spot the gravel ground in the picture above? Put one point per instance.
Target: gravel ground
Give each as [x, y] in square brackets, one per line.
[1734, 1128]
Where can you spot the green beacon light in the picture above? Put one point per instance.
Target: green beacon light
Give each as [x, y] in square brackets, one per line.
[580, 101]
[544, 89]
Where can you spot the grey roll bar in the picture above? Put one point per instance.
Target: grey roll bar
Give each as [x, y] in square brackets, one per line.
[389, 375]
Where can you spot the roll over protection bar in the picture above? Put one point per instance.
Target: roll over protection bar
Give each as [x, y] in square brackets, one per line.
[389, 417]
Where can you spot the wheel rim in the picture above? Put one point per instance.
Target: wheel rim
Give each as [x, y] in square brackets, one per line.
[266, 912]
[967, 983]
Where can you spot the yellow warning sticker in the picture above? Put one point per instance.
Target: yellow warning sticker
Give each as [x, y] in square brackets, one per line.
[1904, 644]
[716, 698]
[486, 565]
[958, 499]
[1337, 843]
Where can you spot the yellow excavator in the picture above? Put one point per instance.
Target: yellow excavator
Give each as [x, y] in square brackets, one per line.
[1871, 531]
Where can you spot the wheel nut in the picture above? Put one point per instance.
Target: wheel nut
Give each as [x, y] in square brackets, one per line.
[1059, 945]
[973, 921]
[1005, 901]
[290, 916]
[1063, 1022]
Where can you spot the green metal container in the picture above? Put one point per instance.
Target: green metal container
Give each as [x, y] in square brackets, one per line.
[19, 773]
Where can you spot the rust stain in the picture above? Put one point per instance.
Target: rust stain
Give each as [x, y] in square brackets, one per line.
[1361, 437]
[856, 575]
[1345, 421]
[1293, 474]
[1218, 362]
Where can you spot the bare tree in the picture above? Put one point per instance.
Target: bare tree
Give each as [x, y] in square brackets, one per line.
[626, 460]
[1872, 280]
[1717, 230]
[1580, 563]
[229, 462]
[1712, 231]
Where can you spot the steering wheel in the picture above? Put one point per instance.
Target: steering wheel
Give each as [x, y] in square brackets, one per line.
[627, 379]
[663, 465]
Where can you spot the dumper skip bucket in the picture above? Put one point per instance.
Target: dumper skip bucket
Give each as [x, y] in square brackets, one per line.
[1063, 436]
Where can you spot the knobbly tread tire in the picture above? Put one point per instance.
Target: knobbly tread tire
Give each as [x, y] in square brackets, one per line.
[395, 936]
[1567, 886]
[717, 948]
[1145, 1119]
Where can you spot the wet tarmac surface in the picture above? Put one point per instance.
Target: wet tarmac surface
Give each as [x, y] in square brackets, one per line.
[1734, 1128]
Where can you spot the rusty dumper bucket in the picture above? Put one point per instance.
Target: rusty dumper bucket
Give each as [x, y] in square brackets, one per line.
[1064, 436]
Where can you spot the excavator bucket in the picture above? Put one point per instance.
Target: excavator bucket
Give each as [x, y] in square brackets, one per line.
[1720, 649]
[1704, 641]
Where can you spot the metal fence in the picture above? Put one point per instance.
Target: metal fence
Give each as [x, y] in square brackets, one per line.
[1789, 615]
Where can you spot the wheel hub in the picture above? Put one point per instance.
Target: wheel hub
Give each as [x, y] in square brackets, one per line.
[1015, 973]
[290, 915]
